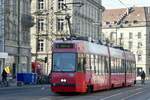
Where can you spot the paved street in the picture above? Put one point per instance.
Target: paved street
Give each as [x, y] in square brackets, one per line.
[138, 92]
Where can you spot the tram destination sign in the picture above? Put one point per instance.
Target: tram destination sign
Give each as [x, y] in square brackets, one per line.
[64, 45]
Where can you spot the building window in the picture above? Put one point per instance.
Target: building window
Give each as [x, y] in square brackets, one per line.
[60, 24]
[40, 4]
[130, 44]
[126, 22]
[60, 4]
[130, 35]
[135, 21]
[148, 9]
[139, 45]
[149, 53]
[111, 36]
[107, 23]
[121, 35]
[40, 25]
[139, 57]
[40, 47]
[139, 35]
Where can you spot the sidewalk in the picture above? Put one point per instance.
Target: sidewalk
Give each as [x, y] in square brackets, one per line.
[13, 85]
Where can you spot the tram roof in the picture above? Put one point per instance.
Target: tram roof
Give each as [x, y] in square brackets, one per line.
[94, 48]
[117, 53]
[130, 56]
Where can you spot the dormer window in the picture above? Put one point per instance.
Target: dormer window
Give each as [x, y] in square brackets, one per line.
[126, 22]
[107, 23]
[115, 22]
[135, 21]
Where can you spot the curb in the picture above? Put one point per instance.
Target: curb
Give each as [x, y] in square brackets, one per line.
[24, 87]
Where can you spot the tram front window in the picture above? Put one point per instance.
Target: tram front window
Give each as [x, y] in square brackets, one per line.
[64, 61]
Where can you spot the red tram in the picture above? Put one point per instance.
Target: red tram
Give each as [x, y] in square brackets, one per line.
[83, 66]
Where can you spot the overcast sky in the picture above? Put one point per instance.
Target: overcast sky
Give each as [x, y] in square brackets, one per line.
[108, 4]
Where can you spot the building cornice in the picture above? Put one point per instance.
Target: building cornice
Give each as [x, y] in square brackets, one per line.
[97, 4]
[123, 27]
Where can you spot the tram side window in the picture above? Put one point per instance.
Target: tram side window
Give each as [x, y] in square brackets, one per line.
[106, 64]
[88, 62]
[80, 62]
[119, 65]
[116, 64]
[130, 67]
[134, 67]
[122, 65]
[127, 67]
[113, 66]
[96, 64]
[92, 62]
[84, 63]
[117, 68]
[100, 65]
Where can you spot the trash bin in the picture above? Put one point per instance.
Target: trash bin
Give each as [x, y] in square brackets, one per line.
[20, 79]
[27, 78]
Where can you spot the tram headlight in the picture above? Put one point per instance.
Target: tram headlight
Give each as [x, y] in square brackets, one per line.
[63, 80]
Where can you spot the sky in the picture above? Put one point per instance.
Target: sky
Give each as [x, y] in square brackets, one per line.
[110, 4]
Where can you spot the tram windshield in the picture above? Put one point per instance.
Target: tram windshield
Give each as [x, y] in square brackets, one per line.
[64, 61]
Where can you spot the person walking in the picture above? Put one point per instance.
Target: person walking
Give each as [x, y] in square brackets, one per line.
[4, 78]
[142, 77]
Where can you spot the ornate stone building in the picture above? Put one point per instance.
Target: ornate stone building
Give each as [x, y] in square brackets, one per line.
[132, 33]
[15, 23]
[50, 18]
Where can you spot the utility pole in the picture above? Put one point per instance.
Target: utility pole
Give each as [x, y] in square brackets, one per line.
[69, 24]
[18, 60]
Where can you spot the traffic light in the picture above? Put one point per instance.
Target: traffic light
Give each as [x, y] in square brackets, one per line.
[45, 60]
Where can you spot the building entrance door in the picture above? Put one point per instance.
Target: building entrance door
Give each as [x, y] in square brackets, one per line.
[1, 65]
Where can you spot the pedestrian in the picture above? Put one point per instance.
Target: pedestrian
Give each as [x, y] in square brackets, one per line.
[142, 77]
[4, 76]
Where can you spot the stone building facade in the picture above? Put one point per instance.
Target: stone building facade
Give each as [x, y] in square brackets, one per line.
[133, 33]
[85, 16]
[15, 26]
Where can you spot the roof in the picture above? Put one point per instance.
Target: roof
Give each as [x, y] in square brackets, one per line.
[135, 18]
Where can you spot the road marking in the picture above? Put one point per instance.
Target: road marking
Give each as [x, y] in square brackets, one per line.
[132, 95]
[44, 99]
[120, 93]
[111, 96]
[135, 89]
